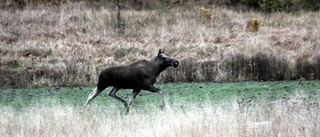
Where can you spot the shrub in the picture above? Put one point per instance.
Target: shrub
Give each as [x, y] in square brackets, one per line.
[272, 5]
[260, 66]
[205, 12]
[253, 25]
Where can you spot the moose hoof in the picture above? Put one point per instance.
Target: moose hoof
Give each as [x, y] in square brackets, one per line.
[163, 107]
[127, 112]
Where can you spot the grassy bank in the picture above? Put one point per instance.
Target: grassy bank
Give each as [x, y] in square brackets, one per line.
[70, 44]
[194, 93]
[193, 109]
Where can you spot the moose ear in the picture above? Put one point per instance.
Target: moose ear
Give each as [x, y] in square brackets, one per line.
[160, 51]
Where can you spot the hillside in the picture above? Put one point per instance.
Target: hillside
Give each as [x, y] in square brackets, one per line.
[70, 44]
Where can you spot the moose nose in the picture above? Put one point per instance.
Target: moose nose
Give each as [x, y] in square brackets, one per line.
[175, 64]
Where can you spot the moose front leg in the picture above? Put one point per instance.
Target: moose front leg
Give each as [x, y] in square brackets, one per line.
[133, 96]
[162, 98]
[154, 89]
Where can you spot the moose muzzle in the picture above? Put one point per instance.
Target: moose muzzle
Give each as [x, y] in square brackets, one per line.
[175, 64]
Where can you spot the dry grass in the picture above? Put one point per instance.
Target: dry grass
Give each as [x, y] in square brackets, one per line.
[78, 41]
[297, 116]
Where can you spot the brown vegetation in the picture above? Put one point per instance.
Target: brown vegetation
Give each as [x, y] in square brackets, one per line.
[70, 44]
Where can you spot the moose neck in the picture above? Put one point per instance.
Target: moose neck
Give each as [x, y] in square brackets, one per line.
[157, 67]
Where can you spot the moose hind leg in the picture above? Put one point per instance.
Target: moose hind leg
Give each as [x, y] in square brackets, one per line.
[92, 95]
[113, 94]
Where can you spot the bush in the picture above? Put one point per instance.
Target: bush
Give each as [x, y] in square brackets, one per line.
[273, 5]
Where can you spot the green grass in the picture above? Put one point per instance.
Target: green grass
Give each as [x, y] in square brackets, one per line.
[175, 93]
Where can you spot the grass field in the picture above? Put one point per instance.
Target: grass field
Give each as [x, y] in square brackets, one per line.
[68, 45]
[288, 108]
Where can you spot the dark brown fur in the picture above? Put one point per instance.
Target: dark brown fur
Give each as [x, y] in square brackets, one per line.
[138, 76]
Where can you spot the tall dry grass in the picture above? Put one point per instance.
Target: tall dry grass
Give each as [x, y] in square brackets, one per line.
[70, 44]
[295, 116]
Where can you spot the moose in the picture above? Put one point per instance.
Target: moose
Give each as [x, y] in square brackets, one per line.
[138, 76]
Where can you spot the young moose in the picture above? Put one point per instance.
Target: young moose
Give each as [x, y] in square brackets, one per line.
[138, 76]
